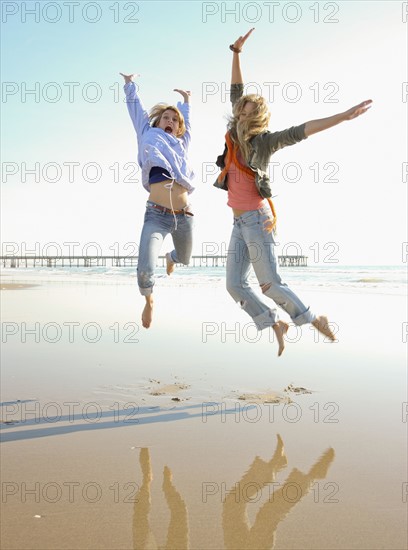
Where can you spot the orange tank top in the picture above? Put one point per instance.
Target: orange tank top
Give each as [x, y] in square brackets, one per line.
[242, 191]
[233, 157]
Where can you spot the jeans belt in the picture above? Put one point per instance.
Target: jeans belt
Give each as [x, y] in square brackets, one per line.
[168, 210]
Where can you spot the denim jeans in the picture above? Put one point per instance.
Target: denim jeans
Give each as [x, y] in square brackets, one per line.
[251, 244]
[157, 225]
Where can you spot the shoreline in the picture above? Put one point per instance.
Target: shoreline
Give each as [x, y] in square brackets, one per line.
[184, 277]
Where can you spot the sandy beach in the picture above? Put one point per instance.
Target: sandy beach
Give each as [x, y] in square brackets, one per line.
[194, 434]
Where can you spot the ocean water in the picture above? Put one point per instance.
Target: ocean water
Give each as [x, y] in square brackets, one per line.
[372, 279]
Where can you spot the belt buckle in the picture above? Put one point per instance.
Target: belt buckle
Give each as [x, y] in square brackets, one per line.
[163, 209]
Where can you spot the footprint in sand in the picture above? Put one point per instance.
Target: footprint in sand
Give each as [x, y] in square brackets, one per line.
[296, 389]
[267, 397]
[169, 389]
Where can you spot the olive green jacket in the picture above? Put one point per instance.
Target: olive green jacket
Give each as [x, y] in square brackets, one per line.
[263, 147]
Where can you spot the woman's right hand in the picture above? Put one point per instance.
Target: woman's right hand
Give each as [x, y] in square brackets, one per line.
[128, 77]
[238, 44]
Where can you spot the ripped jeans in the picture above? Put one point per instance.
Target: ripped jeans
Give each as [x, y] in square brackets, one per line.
[251, 244]
[157, 225]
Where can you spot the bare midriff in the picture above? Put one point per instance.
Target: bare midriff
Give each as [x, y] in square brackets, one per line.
[238, 212]
[161, 195]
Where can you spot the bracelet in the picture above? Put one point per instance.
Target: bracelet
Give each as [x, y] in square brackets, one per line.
[235, 50]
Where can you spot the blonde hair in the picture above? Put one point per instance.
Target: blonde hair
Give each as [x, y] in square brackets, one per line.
[157, 111]
[255, 123]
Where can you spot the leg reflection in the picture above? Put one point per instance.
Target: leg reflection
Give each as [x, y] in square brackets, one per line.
[142, 535]
[177, 534]
[238, 534]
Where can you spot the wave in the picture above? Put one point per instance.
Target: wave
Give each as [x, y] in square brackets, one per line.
[369, 280]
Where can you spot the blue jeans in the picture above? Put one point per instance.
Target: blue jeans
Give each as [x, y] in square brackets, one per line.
[251, 244]
[157, 225]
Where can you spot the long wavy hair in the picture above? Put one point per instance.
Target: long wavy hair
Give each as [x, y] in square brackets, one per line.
[255, 123]
[157, 111]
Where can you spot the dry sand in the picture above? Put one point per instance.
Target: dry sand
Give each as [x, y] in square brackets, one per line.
[187, 436]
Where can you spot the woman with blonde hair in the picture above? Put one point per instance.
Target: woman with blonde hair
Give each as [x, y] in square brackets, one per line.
[163, 137]
[244, 163]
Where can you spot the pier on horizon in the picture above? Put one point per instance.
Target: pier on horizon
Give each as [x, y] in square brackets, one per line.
[127, 261]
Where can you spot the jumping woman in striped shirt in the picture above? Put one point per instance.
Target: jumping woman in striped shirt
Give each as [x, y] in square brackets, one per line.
[163, 137]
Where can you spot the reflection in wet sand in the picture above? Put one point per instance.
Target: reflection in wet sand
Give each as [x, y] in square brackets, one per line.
[177, 534]
[238, 534]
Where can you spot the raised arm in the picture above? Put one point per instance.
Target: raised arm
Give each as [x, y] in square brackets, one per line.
[138, 114]
[185, 110]
[236, 47]
[314, 126]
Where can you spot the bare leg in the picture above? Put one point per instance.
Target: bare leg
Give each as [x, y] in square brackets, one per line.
[147, 313]
[280, 328]
[170, 265]
[322, 325]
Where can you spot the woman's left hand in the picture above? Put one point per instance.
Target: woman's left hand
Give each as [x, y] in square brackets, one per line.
[185, 93]
[269, 225]
[358, 110]
[239, 42]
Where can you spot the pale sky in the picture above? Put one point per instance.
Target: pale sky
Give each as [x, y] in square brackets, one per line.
[340, 195]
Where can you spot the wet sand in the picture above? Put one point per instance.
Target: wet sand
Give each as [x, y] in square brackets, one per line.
[194, 434]
[14, 286]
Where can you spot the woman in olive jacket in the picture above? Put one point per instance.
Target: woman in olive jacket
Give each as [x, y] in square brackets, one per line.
[244, 163]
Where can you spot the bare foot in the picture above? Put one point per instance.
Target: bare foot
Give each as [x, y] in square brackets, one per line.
[170, 264]
[147, 314]
[322, 325]
[280, 328]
